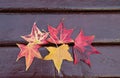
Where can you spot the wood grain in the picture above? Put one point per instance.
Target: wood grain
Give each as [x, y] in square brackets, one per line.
[105, 27]
[105, 65]
[96, 17]
[58, 5]
[13, 69]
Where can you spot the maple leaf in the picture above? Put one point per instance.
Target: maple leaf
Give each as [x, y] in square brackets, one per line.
[60, 34]
[80, 51]
[36, 36]
[81, 41]
[58, 54]
[29, 52]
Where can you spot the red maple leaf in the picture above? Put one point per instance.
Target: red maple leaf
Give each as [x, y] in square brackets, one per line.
[29, 52]
[60, 34]
[36, 36]
[80, 50]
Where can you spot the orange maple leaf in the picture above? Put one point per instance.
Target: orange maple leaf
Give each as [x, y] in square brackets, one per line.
[29, 52]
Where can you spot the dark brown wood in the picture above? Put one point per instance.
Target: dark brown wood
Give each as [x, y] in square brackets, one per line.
[12, 69]
[105, 27]
[58, 5]
[105, 65]
[96, 17]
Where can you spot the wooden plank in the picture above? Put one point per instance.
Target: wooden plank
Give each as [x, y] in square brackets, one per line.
[13, 69]
[70, 5]
[109, 61]
[105, 65]
[104, 26]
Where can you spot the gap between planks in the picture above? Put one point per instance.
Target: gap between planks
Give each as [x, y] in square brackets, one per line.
[59, 10]
[95, 43]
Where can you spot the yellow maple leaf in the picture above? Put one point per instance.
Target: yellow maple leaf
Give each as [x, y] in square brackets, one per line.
[58, 54]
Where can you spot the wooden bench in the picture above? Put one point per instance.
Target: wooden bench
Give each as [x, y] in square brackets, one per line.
[96, 17]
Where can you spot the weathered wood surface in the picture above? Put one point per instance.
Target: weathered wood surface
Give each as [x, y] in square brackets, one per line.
[58, 5]
[106, 65]
[103, 26]
[96, 17]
